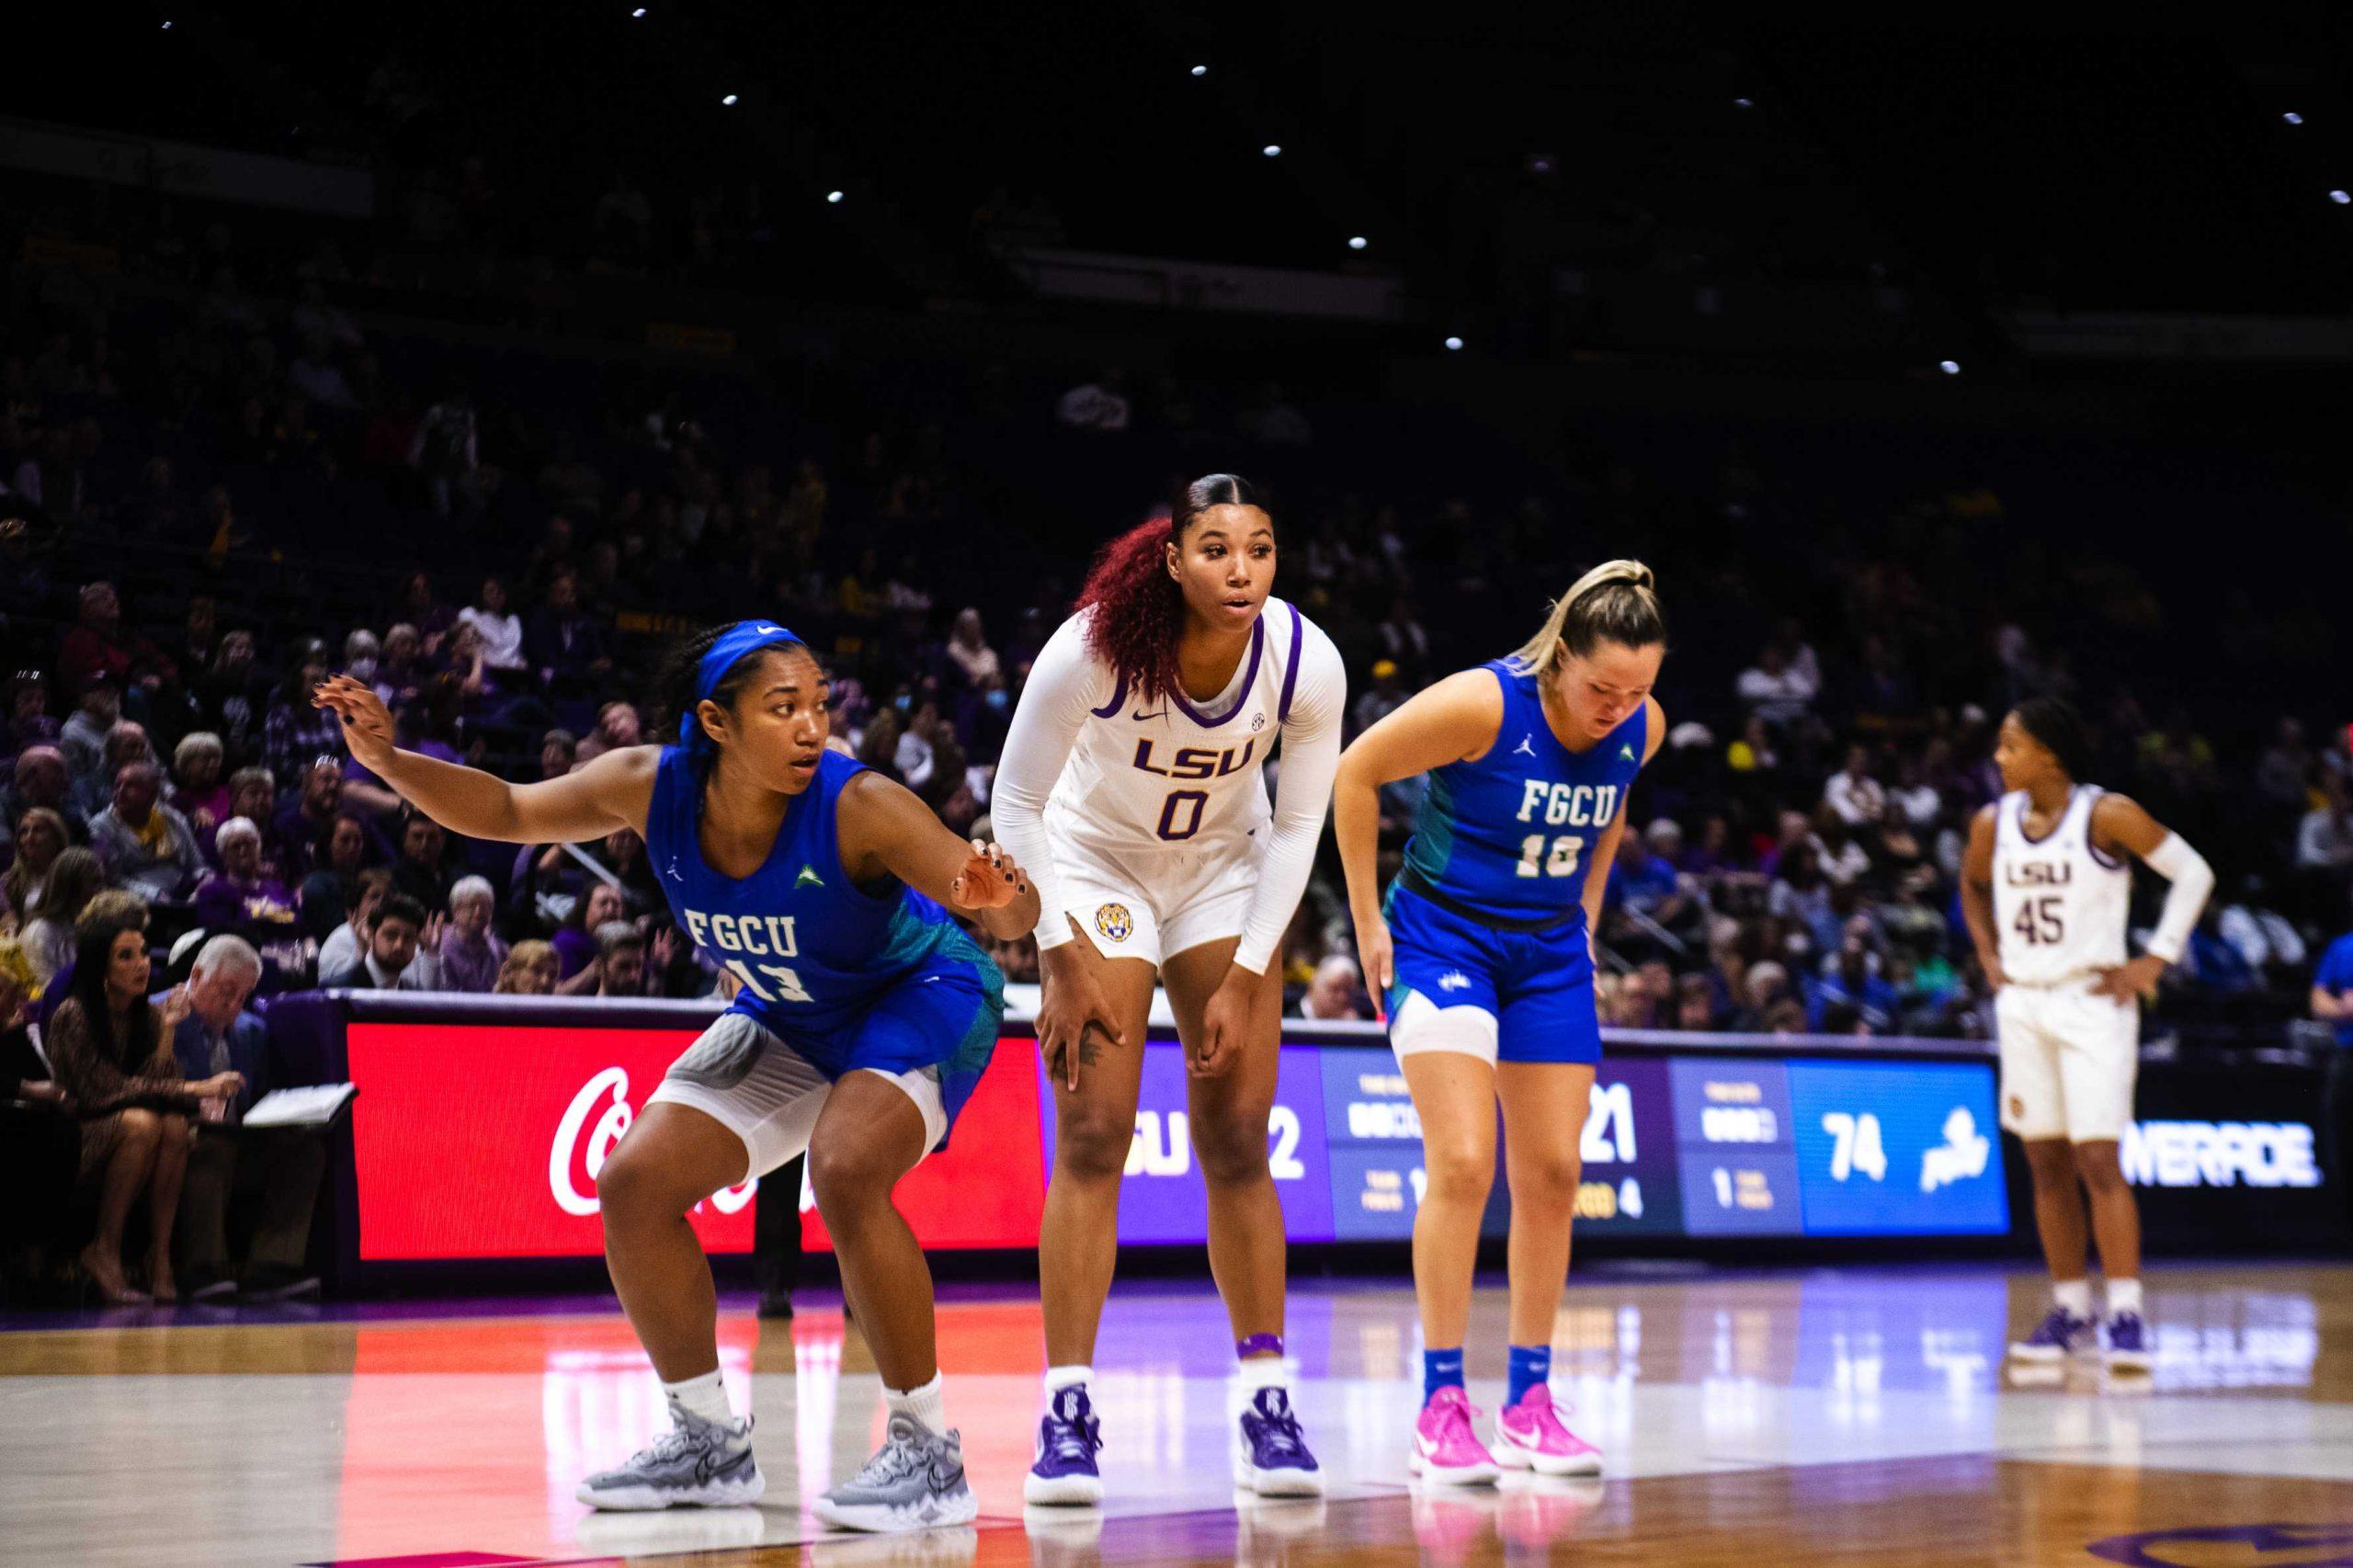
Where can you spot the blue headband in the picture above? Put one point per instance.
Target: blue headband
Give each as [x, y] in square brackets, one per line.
[744, 637]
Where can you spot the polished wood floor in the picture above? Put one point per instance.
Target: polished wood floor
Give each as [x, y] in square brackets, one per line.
[1842, 1416]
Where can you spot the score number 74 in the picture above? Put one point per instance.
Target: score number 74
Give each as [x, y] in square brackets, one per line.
[1856, 1145]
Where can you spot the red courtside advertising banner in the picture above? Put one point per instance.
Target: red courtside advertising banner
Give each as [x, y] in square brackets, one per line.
[483, 1141]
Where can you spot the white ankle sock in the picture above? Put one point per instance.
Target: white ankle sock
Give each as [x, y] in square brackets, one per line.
[2075, 1295]
[923, 1404]
[2123, 1296]
[1264, 1372]
[1061, 1378]
[705, 1396]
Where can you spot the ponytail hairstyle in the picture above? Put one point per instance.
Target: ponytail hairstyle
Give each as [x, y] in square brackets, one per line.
[678, 683]
[2061, 730]
[1138, 609]
[1615, 602]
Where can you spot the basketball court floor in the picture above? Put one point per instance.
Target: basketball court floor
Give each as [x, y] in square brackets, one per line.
[1855, 1416]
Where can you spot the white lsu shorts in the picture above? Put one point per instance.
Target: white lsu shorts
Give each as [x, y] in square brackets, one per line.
[2069, 1062]
[767, 1093]
[1149, 902]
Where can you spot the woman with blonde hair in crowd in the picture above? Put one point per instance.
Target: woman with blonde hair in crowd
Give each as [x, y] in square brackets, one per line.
[529, 971]
[198, 792]
[41, 837]
[74, 877]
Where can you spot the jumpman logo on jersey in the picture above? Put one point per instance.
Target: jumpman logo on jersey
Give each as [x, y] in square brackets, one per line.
[808, 878]
[672, 871]
[1626, 753]
[1526, 746]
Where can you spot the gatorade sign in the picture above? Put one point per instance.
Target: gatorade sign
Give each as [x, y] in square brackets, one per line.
[2220, 1153]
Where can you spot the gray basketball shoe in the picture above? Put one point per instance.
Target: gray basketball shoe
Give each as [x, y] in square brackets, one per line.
[914, 1481]
[696, 1463]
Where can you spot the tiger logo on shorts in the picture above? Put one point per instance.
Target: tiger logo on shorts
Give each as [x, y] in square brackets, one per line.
[1114, 921]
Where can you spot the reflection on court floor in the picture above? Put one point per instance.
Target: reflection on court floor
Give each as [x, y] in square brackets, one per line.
[1831, 1404]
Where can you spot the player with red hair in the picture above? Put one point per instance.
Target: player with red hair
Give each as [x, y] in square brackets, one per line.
[1131, 789]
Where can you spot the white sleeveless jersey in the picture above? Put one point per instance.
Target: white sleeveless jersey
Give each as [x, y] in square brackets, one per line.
[2061, 906]
[1174, 773]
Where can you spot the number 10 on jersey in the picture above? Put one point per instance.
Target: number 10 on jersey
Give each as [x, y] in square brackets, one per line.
[1561, 861]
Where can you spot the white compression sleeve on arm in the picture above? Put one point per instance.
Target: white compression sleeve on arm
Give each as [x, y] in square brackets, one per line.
[2192, 880]
[1310, 759]
[1054, 705]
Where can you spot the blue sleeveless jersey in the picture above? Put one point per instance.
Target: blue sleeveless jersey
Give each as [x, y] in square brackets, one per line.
[814, 952]
[1514, 831]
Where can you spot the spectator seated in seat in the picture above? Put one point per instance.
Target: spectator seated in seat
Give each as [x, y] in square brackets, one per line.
[263, 1183]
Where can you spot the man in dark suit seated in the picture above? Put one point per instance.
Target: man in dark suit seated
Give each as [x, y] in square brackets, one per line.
[390, 962]
[265, 1178]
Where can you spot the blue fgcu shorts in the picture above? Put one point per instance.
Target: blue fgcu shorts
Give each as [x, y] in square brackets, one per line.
[766, 1078]
[1528, 994]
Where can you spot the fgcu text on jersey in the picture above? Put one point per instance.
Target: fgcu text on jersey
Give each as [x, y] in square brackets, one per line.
[1511, 833]
[809, 947]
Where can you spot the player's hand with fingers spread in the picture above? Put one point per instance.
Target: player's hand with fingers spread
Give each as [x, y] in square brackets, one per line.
[2127, 982]
[1225, 1023]
[367, 722]
[990, 880]
[1072, 1008]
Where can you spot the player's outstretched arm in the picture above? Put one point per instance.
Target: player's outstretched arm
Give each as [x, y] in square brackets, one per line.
[886, 827]
[2119, 822]
[601, 797]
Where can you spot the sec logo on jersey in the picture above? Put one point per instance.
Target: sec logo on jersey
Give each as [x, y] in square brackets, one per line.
[1114, 921]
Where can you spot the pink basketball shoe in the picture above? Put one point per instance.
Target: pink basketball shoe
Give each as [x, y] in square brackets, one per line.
[1446, 1451]
[1529, 1435]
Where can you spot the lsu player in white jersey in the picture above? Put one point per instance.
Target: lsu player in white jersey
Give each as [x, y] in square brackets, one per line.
[1131, 792]
[2047, 889]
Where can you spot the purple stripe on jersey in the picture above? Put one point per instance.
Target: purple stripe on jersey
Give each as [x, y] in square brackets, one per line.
[1119, 699]
[1291, 671]
[1249, 679]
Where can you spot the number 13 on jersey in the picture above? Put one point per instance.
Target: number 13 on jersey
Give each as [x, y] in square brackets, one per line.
[782, 986]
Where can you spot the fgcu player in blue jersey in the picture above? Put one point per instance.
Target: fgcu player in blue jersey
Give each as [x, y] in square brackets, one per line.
[863, 1015]
[1483, 950]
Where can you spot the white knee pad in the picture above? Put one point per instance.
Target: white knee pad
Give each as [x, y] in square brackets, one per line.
[1420, 1025]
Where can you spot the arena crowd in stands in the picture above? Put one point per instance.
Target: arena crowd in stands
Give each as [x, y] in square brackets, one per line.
[187, 470]
[222, 479]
